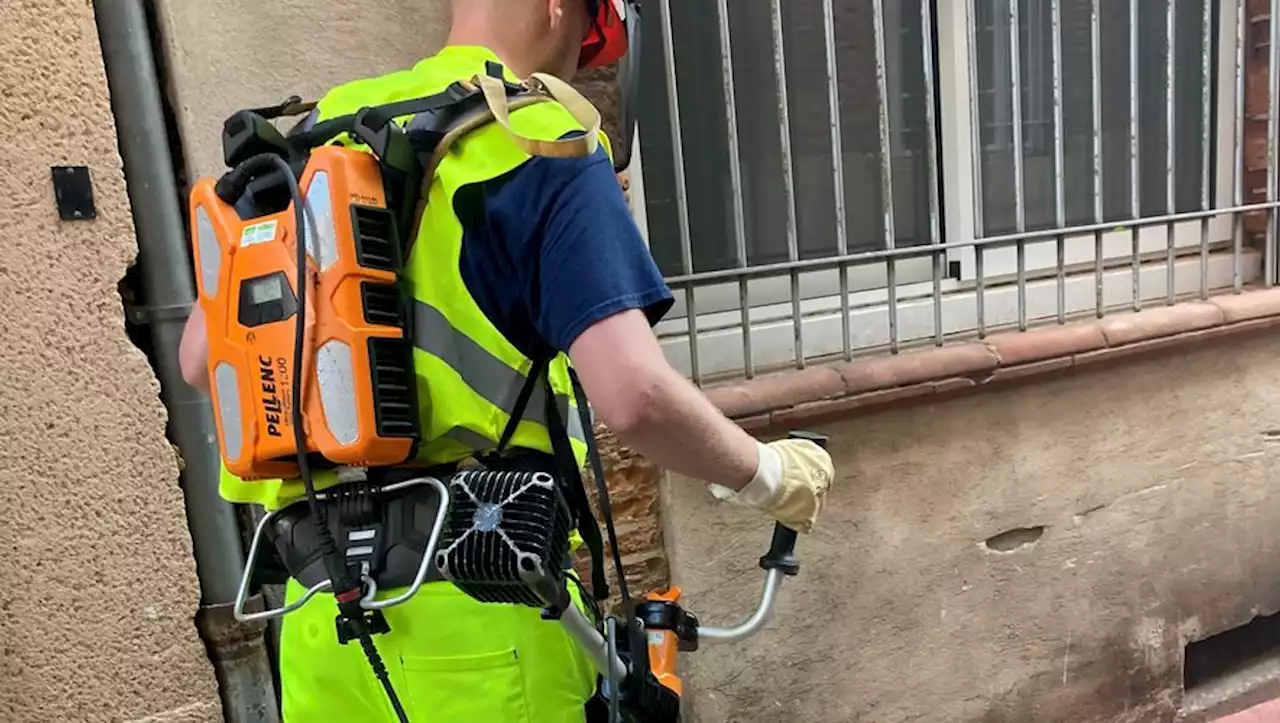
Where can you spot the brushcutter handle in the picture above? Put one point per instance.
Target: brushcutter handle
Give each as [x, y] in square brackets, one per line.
[779, 562]
[782, 551]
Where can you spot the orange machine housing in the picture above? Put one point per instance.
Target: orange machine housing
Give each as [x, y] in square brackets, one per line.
[359, 406]
[664, 645]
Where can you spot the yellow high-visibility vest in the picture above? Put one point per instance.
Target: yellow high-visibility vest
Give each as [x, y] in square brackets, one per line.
[468, 374]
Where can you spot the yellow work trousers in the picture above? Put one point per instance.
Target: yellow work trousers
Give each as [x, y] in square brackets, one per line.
[451, 660]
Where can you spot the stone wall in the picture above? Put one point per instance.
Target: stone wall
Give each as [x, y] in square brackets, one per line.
[99, 587]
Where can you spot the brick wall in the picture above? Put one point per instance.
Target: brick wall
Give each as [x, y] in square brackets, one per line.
[1256, 102]
[633, 485]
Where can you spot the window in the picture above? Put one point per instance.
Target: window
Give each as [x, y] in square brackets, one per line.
[1195, 115]
[963, 123]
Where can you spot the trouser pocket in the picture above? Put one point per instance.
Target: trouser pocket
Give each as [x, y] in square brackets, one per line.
[482, 688]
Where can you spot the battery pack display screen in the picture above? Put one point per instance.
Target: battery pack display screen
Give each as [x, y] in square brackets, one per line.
[262, 290]
[266, 299]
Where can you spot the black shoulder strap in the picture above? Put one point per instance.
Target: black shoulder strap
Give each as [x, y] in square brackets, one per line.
[577, 493]
[602, 488]
[536, 371]
[575, 489]
[378, 116]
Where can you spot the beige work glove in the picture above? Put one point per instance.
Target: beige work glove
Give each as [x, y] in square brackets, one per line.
[790, 483]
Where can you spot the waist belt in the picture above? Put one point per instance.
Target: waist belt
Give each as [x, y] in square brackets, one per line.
[380, 534]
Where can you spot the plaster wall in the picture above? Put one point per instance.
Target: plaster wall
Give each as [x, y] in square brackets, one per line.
[1040, 552]
[97, 582]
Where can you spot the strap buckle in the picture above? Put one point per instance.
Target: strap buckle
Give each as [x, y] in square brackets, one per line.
[291, 106]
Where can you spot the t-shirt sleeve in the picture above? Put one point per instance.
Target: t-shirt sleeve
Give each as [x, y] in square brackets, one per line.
[585, 257]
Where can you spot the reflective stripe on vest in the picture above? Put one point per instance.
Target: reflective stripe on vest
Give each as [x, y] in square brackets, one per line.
[487, 375]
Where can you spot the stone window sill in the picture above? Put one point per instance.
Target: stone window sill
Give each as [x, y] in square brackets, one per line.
[821, 391]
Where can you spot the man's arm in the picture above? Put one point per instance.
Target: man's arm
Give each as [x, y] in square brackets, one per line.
[193, 351]
[654, 409]
[591, 289]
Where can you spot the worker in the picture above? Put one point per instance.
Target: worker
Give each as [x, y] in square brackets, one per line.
[544, 256]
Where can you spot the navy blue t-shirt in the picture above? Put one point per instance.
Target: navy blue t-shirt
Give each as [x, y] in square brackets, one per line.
[551, 248]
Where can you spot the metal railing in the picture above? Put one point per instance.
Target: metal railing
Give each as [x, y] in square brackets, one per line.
[688, 281]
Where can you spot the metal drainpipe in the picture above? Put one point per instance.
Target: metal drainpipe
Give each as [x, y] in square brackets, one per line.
[238, 651]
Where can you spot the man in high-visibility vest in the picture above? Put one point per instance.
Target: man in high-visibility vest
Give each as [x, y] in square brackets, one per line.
[518, 258]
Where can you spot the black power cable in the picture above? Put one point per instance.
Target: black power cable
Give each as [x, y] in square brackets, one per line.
[346, 589]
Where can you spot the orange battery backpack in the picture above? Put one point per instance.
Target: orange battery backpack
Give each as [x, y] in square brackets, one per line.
[359, 404]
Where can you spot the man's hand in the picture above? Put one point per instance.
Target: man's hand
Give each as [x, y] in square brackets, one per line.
[790, 484]
[660, 414]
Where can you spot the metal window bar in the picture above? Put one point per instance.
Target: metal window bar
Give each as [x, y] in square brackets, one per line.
[1273, 139]
[837, 169]
[1237, 232]
[1019, 180]
[1206, 111]
[1135, 169]
[1171, 143]
[931, 162]
[975, 122]
[980, 243]
[788, 179]
[1059, 173]
[886, 173]
[1099, 255]
[682, 196]
[735, 181]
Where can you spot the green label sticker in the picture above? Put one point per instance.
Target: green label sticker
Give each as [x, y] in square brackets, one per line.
[259, 233]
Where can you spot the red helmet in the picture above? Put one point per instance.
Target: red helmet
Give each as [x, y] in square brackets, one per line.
[607, 42]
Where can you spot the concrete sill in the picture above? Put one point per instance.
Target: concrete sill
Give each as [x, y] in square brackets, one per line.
[839, 389]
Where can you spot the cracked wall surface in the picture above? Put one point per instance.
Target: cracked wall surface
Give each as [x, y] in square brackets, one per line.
[97, 582]
[1034, 553]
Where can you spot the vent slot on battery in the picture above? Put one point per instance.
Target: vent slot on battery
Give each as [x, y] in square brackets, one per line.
[394, 387]
[382, 305]
[373, 230]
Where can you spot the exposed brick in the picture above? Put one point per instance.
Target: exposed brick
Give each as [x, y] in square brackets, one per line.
[775, 391]
[633, 483]
[1255, 153]
[600, 86]
[897, 371]
[1018, 348]
[1160, 322]
[639, 535]
[1249, 305]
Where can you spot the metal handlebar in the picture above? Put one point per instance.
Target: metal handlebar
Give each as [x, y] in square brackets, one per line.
[367, 602]
[779, 562]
